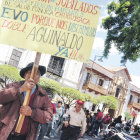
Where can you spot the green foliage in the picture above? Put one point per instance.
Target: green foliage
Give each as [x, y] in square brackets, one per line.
[123, 25]
[108, 102]
[8, 74]
[69, 95]
[91, 99]
[72, 93]
[48, 83]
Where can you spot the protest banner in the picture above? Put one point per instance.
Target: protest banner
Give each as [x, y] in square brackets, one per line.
[130, 114]
[63, 28]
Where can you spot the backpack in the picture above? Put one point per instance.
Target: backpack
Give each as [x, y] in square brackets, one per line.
[106, 120]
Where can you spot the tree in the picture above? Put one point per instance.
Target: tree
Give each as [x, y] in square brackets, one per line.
[108, 102]
[46, 84]
[8, 74]
[123, 29]
[70, 95]
[91, 99]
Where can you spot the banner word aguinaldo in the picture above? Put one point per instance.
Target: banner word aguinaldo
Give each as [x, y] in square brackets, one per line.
[63, 28]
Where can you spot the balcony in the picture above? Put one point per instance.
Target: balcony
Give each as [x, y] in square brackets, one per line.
[136, 106]
[98, 89]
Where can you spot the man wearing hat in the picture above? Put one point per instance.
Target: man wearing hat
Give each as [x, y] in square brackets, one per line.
[38, 111]
[76, 125]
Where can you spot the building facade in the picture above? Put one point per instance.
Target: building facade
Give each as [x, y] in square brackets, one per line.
[132, 103]
[89, 78]
[65, 71]
[115, 81]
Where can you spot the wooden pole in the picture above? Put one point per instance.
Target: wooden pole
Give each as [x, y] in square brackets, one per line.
[28, 92]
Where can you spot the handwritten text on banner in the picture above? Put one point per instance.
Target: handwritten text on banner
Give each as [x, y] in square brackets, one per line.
[65, 28]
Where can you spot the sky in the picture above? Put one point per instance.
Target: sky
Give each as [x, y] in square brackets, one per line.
[114, 57]
[98, 46]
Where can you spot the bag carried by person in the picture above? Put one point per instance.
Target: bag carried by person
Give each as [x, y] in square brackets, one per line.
[106, 120]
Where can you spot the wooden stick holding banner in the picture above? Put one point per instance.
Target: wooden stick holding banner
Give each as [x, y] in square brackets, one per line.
[28, 92]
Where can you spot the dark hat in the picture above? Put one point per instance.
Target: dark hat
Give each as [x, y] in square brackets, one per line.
[42, 69]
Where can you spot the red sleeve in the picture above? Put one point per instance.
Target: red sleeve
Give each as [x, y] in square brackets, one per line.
[54, 108]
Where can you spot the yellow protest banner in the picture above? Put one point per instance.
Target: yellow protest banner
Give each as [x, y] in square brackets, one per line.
[64, 28]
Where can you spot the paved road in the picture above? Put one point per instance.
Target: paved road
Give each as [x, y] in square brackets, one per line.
[85, 138]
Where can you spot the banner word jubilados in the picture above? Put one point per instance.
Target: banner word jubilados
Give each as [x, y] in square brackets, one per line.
[64, 28]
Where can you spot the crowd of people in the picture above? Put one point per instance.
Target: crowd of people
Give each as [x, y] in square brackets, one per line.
[98, 123]
[42, 116]
[71, 122]
[93, 123]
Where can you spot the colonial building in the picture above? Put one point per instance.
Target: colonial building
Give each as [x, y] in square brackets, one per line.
[62, 70]
[97, 80]
[89, 78]
[132, 103]
[120, 85]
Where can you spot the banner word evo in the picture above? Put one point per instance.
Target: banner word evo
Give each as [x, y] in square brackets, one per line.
[64, 28]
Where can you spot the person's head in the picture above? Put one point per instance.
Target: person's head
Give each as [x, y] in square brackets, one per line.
[98, 110]
[26, 72]
[95, 114]
[87, 112]
[59, 104]
[79, 105]
[66, 106]
[120, 117]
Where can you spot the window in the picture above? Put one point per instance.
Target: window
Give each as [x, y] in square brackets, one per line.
[15, 58]
[101, 82]
[88, 76]
[138, 100]
[130, 99]
[117, 92]
[87, 79]
[55, 65]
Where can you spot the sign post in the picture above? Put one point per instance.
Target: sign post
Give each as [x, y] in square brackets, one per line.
[28, 92]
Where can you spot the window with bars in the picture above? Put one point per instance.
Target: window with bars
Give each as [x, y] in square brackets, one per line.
[88, 76]
[101, 81]
[138, 100]
[55, 65]
[117, 92]
[15, 58]
[130, 99]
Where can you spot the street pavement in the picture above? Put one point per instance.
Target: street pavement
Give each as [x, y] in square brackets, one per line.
[84, 138]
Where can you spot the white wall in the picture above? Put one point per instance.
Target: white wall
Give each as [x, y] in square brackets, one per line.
[26, 57]
[71, 73]
[29, 56]
[94, 79]
[5, 53]
[72, 68]
[106, 84]
[135, 99]
[126, 104]
[137, 120]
